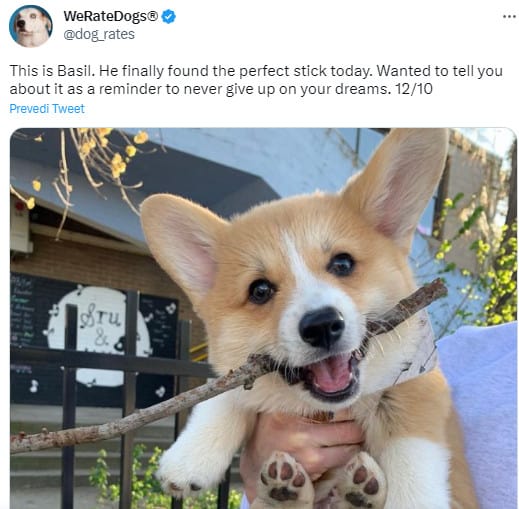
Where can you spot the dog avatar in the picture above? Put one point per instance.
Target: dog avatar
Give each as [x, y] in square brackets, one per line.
[32, 27]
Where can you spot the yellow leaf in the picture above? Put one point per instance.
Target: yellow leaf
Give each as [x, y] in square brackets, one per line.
[36, 185]
[30, 203]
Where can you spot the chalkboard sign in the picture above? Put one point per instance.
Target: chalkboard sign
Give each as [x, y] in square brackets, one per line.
[37, 319]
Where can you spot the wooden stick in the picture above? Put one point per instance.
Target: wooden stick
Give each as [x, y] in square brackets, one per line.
[245, 375]
[256, 366]
[407, 307]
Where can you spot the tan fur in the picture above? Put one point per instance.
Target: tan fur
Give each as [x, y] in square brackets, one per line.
[373, 219]
[463, 492]
[251, 250]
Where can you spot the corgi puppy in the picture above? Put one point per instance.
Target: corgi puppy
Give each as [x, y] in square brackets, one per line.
[297, 279]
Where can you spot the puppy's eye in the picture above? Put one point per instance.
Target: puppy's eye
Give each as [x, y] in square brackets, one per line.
[341, 265]
[261, 291]
[33, 15]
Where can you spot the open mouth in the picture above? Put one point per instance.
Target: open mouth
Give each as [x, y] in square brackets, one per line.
[333, 379]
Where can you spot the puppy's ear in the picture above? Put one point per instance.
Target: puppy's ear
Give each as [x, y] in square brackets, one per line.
[182, 237]
[399, 180]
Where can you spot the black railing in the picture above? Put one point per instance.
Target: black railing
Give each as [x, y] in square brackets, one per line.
[71, 359]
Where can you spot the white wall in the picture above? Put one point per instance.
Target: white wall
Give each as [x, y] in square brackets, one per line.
[292, 161]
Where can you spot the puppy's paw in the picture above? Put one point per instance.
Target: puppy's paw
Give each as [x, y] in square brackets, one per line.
[363, 484]
[285, 481]
[181, 475]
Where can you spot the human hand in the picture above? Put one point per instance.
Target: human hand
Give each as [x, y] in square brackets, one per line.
[317, 446]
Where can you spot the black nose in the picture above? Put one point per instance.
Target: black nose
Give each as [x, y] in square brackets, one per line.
[20, 23]
[321, 328]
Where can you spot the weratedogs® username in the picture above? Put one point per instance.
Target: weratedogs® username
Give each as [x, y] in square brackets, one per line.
[96, 16]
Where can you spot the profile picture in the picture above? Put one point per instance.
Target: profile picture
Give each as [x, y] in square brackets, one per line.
[30, 26]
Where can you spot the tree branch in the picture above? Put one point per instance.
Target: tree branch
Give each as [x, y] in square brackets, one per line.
[256, 366]
[245, 375]
[407, 307]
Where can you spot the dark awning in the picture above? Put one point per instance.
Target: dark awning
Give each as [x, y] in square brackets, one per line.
[224, 190]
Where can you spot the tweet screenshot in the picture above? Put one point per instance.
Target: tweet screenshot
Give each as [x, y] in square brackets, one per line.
[261, 254]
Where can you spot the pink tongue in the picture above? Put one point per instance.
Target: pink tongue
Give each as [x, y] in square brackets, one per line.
[332, 374]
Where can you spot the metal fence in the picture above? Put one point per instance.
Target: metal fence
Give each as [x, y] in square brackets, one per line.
[71, 359]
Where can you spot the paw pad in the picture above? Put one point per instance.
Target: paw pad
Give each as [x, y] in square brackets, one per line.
[364, 483]
[282, 471]
[286, 472]
[357, 500]
[371, 487]
[283, 479]
[299, 480]
[360, 474]
[282, 494]
[174, 487]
